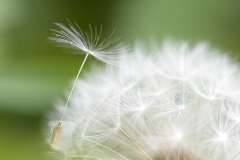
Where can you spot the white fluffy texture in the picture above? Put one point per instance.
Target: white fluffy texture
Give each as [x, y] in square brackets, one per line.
[178, 98]
[104, 49]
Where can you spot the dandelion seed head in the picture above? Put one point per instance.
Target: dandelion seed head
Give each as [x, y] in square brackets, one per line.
[179, 102]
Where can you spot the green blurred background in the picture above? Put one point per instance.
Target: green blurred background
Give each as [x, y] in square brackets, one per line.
[34, 73]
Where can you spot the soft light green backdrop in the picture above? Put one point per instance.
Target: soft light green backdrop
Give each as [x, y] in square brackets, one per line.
[34, 72]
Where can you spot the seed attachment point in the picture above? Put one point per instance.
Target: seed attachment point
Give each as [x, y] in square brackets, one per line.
[56, 134]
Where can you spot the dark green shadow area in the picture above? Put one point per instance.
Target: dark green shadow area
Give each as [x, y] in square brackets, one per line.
[21, 138]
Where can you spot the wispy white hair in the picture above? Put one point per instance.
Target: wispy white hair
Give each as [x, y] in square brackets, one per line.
[177, 103]
[104, 49]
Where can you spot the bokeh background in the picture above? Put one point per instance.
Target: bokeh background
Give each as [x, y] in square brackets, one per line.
[34, 73]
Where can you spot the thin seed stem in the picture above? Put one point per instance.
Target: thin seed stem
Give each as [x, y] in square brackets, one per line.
[178, 152]
[74, 86]
[135, 143]
[183, 116]
[106, 148]
[58, 128]
[235, 155]
[146, 118]
[212, 151]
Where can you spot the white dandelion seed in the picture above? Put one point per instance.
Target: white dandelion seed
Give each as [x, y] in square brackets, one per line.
[173, 104]
[105, 50]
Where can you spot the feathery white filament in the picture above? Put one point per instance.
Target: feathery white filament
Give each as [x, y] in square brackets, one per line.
[104, 49]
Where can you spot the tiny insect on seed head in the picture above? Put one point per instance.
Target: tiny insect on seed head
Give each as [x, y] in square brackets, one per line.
[56, 134]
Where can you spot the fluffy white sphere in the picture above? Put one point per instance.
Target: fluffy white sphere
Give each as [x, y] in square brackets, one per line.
[175, 102]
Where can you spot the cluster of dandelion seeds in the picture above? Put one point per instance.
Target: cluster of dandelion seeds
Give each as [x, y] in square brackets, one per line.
[171, 102]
